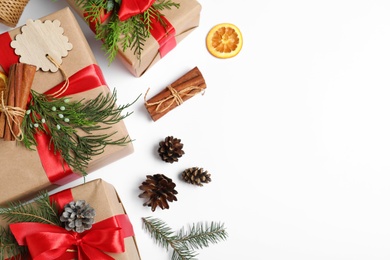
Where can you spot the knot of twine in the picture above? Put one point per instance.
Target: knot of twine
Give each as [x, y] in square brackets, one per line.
[11, 115]
[176, 97]
[66, 82]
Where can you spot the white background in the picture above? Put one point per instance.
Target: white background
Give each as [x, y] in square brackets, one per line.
[294, 131]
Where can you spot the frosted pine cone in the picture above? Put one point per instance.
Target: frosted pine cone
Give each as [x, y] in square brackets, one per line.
[171, 149]
[78, 216]
[158, 190]
[196, 176]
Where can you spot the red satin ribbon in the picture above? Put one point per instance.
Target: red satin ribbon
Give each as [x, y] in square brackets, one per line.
[130, 8]
[103, 17]
[7, 55]
[57, 171]
[164, 35]
[46, 241]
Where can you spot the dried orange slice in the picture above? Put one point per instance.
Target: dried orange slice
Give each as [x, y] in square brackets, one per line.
[224, 40]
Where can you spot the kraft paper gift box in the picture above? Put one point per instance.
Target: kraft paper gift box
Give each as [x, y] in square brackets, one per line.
[110, 215]
[23, 172]
[184, 20]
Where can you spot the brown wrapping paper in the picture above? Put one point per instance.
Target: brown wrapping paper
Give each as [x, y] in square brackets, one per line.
[184, 19]
[103, 197]
[22, 174]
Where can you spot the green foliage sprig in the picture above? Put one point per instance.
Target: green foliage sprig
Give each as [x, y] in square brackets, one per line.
[185, 241]
[9, 246]
[42, 211]
[73, 126]
[131, 33]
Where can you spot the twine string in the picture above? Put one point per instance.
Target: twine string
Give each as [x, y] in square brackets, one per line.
[66, 82]
[12, 114]
[176, 97]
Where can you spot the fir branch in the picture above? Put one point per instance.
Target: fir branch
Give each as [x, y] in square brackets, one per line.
[9, 247]
[43, 211]
[184, 242]
[159, 231]
[164, 236]
[70, 126]
[202, 234]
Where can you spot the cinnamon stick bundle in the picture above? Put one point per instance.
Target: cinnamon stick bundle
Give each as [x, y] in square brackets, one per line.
[175, 94]
[20, 80]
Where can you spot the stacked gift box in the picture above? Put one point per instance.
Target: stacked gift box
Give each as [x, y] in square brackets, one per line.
[43, 170]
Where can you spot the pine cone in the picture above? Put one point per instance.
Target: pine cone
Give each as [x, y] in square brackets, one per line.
[171, 149]
[196, 176]
[78, 216]
[158, 189]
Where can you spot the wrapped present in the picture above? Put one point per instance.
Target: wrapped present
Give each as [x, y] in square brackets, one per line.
[105, 231]
[25, 172]
[177, 22]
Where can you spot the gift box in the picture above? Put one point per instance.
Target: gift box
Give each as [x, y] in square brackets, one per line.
[182, 21]
[25, 172]
[111, 233]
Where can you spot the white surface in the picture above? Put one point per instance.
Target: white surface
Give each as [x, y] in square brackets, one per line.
[294, 130]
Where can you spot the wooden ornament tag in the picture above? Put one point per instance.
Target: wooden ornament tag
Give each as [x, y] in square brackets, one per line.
[40, 39]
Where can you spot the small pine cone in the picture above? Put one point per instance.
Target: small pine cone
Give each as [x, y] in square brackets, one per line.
[158, 190]
[171, 149]
[78, 216]
[196, 176]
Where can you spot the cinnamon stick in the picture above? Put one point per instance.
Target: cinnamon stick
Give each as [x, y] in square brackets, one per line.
[24, 78]
[20, 77]
[175, 94]
[10, 103]
[4, 96]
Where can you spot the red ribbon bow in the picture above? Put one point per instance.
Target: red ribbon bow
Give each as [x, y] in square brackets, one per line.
[130, 8]
[46, 241]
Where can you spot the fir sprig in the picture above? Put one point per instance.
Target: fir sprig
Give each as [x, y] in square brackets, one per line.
[9, 246]
[43, 211]
[116, 34]
[202, 235]
[73, 126]
[184, 242]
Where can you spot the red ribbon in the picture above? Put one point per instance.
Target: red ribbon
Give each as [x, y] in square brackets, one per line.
[130, 8]
[164, 35]
[46, 241]
[104, 15]
[7, 55]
